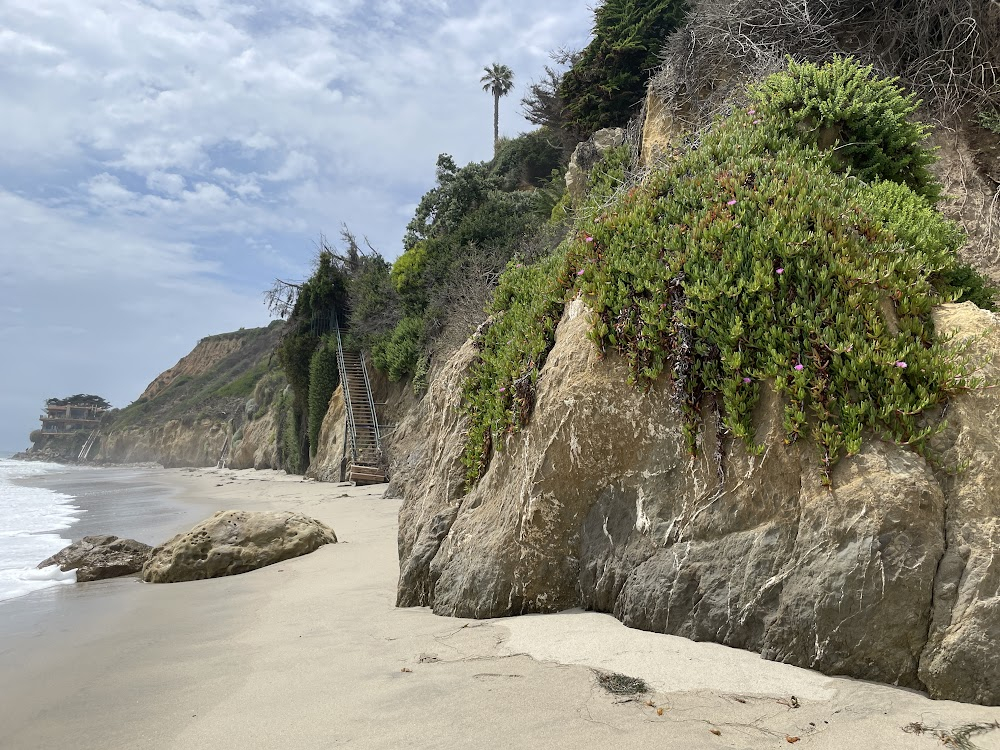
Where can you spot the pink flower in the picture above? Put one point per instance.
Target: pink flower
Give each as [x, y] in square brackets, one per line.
[580, 272]
[502, 390]
[780, 271]
[588, 238]
[732, 202]
[901, 364]
[799, 367]
[747, 380]
[751, 111]
[756, 122]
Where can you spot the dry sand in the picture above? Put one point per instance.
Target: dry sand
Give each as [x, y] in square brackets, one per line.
[311, 653]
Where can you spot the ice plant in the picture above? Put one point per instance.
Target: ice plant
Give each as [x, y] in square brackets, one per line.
[683, 295]
[901, 364]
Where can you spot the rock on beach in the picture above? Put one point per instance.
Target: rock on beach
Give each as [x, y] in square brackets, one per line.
[233, 542]
[97, 557]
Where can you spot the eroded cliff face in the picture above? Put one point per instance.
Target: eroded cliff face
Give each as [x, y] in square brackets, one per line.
[222, 402]
[888, 574]
[172, 444]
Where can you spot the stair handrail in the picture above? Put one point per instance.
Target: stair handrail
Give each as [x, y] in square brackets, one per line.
[345, 387]
[222, 456]
[85, 450]
[371, 405]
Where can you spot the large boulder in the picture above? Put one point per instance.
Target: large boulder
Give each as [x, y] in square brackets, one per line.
[888, 574]
[235, 541]
[98, 557]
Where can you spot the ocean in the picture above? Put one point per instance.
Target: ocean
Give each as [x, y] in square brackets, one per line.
[33, 525]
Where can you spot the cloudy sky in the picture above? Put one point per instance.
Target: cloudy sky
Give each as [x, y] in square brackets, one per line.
[161, 161]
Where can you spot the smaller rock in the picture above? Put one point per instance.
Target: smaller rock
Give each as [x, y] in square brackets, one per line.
[586, 156]
[97, 557]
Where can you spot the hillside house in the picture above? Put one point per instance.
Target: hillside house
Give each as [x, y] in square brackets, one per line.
[61, 419]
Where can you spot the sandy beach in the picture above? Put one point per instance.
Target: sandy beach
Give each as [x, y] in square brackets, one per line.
[312, 653]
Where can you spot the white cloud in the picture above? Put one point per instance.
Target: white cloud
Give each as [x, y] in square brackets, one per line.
[170, 183]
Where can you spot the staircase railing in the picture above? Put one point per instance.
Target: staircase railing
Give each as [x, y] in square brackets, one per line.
[371, 405]
[351, 428]
[85, 450]
[222, 455]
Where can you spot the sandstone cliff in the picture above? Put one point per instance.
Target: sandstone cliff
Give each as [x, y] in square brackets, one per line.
[223, 401]
[888, 575]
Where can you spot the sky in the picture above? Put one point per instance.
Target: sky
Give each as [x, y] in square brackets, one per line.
[162, 161]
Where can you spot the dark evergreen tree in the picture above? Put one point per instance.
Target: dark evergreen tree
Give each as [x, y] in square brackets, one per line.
[604, 86]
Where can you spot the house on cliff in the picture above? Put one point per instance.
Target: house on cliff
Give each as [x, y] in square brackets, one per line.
[63, 416]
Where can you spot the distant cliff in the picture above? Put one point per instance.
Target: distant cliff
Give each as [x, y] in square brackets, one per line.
[223, 401]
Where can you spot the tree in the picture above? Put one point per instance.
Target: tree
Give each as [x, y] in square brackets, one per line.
[499, 80]
[609, 78]
[80, 399]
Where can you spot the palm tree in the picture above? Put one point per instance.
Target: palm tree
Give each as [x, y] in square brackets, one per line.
[498, 79]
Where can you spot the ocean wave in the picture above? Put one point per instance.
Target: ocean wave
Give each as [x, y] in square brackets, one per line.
[30, 518]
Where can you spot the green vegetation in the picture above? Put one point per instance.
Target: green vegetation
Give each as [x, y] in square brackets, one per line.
[608, 79]
[397, 354]
[865, 120]
[462, 235]
[324, 377]
[243, 386]
[288, 436]
[758, 257]
[990, 119]
[320, 304]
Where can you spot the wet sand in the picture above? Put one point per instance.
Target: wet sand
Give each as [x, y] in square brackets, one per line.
[312, 653]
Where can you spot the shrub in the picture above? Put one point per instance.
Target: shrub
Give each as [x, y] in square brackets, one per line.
[969, 285]
[397, 354]
[526, 161]
[864, 119]
[749, 260]
[323, 380]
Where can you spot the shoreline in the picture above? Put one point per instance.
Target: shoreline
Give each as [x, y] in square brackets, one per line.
[313, 653]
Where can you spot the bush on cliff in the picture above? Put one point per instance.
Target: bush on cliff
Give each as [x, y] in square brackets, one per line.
[754, 258]
[463, 232]
[866, 120]
[324, 377]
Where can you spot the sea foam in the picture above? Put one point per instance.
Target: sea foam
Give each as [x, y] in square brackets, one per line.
[30, 519]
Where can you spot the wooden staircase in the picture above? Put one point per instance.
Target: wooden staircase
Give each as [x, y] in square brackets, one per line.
[363, 438]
